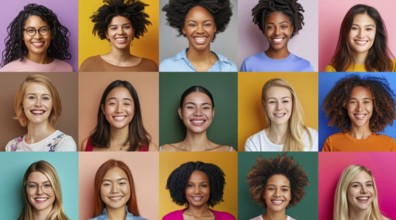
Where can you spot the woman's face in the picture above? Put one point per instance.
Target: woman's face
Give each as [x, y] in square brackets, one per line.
[361, 192]
[197, 112]
[115, 189]
[39, 191]
[362, 34]
[360, 107]
[119, 108]
[37, 103]
[198, 189]
[277, 193]
[120, 32]
[278, 104]
[199, 28]
[37, 36]
[278, 29]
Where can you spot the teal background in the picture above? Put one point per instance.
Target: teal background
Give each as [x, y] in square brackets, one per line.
[13, 166]
[223, 87]
[306, 209]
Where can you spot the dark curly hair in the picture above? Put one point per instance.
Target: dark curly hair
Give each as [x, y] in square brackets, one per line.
[176, 11]
[131, 9]
[265, 168]
[15, 47]
[383, 102]
[178, 180]
[291, 8]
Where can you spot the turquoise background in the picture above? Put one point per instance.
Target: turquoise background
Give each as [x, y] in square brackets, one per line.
[13, 166]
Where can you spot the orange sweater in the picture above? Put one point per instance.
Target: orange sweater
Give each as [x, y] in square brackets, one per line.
[345, 142]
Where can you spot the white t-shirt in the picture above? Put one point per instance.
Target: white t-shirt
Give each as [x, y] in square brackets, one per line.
[57, 141]
[260, 217]
[260, 142]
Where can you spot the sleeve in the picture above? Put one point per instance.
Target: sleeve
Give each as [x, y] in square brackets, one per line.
[8, 146]
[249, 145]
[67, 144]
[311, 69]
[329, 68]
[86, 65]
[327, 145]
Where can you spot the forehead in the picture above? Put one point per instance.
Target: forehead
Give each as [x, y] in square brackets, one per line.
[197, 96]
[35, 87]
[37, 176]
[362, 176]
[121, 92]
[198, 13]
[278, 179]
[34, 20]
[119, 20]
[278, 91]
[198, 175]
[361, 91]
[115, 173]
[363, 19]
[277, 16]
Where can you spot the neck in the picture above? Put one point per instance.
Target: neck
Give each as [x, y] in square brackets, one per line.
[38, 132]
[359, 58]
[357, 214]
[41, 214]
[360, 133]
[271, 215]
[116, 214]
[195, 142]
[118, 137]
[39, 58]
[277, 54]
[202, 211]
[277, 133]
[202, 60]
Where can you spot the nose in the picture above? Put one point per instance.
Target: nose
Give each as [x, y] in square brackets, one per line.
[278, 106]
[39, 190]
[277, 30]
[360, 33]
[277, 193]
[200, 28]
[120, 30]
[119, 108]
[38, 102]
[197, 112]
[114, 188]
[363, 190]
[359, 106]
[197, 190]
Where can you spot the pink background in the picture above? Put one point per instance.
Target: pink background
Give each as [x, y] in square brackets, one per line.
[331, 166]
[331, 13]
[252, 41]
[144, 168]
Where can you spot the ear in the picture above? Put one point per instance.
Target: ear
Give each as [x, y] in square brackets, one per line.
[179, 112]
[214, 111]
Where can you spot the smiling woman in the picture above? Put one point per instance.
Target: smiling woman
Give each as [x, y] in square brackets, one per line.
[198, 21]
[38, 107]
[36, 42]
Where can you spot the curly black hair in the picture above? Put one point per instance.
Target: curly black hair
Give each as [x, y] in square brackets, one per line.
[15, 47]
[178, 180]
[265, 168]
[176, 11]
[131, 9]
[336, 101]
[291, 8]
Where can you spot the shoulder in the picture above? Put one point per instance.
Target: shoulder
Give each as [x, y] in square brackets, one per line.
[148, 65]
[169, 147]
[334, 140]
[152, 146]
[223, 215]
[13, 144]
[329, 68]
[174, 63]
[175, 215]
[12, 66]
[64, 142]
[84, 144]
[226, 64]
[62, 66]
[88, 63]
[302, 64]
[253, 142]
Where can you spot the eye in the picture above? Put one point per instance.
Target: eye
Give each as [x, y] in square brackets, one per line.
[123, 183]
[285, 101]
[46, 98]
[31, 97]
[191, 24]
[47, 185]
[284, 27]
[31, 185]
[189, 185]
[208, 24]
[354, 28]
[127, 26]
[285, 190]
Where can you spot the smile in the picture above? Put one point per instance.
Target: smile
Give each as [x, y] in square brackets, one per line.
[277, 40]
[37, 112]
[200, 40]
[119, 118]
[41, 199]
[197, 122]
[38, 44]
[115, 198]
[279, 115]
[363, 199]
[197, 198]
[361, 42]
[277, 201]
[360, 116]
[121, 40]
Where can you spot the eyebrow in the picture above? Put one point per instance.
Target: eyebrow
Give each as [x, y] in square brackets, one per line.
[287, 22]
[193, 103]
[369, 25]
[211, 20]
[284, 97]
[115, 25]
[280, 186]
[114, 98]
[122, 178]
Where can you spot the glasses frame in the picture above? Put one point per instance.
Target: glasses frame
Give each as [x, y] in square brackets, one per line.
[40, 31]
[37, 186]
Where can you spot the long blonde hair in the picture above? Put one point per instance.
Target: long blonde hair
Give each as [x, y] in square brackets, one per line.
[341, 207]
[49, 171]
[296, 128]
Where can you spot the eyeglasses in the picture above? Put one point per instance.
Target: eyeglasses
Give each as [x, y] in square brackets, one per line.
[32, 31]
[31, 188]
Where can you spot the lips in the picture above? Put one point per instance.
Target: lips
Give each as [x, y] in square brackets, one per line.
[38, 44]
[37, 112]
[40, 199]
[361, 42]
[197, 198]
[115, 198]
[279, 115]
[121, 40]
[363, 199]
[359, 116]
[119, 118]
[200, 40]
[197, 122]
[277, 201]
[277, 40]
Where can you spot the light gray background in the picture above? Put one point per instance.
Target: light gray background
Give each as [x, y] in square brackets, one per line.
[224, 44]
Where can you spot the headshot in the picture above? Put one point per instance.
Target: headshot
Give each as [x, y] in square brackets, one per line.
[276, 36]
[119, 23]
[198, 112]
[39, 186]
[200, 23]
[38, 109]
[277, 112]
[356, 36]
[119, 185]
[119, 124]
[277, 186]
[356, 186]
[39, 37]
[197, 187]
[359, 107]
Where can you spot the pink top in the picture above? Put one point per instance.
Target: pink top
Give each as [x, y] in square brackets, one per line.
[178, 215]
[90, 147]
[27, 65]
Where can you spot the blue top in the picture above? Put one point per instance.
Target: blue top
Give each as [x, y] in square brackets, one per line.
[180, 63]
[262, 63]
[129, 216]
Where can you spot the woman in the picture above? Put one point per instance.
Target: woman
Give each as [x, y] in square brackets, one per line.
[360, 107]
[196, 110]
[119, 22]
[362, 43]
[38, 107]
[42, 181]
[197, 179]
[114, 193]
[276, 184]
[119, 125]
[279, 20]
[356, 195]
[198, 21]
[284, 115]
[36, 42]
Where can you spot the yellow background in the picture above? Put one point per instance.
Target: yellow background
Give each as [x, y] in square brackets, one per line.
[90, 45]
[227, 161]
[250, 110]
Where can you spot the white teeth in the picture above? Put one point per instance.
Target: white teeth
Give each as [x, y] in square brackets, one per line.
[363, 199]
[121, 40]
[37, 112]
[200, 40]
[279, 115]
[361, 42]
[277, 202]
[119, 118]
[197, 122]
[41, 199]
[197, 198]
[115, 198]
[360, 116]
[38, 44]
[277, 40]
